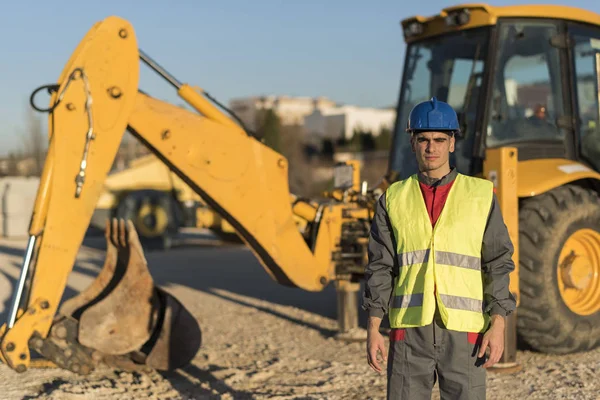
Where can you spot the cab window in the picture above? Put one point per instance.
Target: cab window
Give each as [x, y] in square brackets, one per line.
[527, 97]
[586, 59]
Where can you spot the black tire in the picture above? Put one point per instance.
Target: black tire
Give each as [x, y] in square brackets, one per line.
[227, 237]
[544, 321]
[130, 205]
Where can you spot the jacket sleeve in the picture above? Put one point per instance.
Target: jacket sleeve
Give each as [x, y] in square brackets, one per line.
[497, 264]
[379, 272]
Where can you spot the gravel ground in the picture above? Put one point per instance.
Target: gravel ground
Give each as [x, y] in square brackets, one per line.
[260, 341]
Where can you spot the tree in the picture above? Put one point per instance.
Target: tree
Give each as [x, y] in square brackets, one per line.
[287, 140]
[362, 140]
[327, 149]
[384, 140]
[34, 142]
[292, 141]
[12, 168]
[269, 129]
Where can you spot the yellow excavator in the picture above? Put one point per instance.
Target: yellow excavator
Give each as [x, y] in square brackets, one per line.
[158, 203]
[524, 80]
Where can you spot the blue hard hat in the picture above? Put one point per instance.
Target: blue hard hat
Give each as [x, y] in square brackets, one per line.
[432, 115]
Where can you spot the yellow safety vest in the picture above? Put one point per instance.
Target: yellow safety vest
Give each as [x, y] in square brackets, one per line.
[447, 257]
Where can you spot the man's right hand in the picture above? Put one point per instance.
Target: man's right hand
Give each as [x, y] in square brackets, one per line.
[375, 346]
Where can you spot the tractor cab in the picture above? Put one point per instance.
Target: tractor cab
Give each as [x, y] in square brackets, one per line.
[520, 76]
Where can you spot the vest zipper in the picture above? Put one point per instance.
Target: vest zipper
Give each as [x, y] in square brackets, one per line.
[432, 254]
[433, 202]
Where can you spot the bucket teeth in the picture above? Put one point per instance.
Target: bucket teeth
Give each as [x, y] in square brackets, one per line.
[122, 313]
[75, 305]
[121, 318]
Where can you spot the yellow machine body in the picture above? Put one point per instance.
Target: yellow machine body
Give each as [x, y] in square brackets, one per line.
[96, 100]
[148, 173]
[549, 194]
[301, 243]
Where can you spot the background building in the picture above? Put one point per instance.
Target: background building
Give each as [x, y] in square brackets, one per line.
[290, 110]
[341, 122]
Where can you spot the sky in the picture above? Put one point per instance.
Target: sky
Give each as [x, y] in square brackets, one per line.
[350, 51]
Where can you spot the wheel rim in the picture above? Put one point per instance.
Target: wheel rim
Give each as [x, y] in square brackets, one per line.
[579, 272]
[151, 221]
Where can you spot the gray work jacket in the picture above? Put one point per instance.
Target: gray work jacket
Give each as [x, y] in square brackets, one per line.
[496, 260]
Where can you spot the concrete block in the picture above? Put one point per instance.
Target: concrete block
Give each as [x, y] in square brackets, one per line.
[17, 198]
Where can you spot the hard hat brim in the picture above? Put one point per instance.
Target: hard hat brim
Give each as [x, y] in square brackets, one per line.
[455, 132]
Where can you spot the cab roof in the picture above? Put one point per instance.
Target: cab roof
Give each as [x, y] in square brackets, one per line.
[484, 14]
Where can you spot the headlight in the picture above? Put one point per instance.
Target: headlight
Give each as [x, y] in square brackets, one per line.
[413, 29]
[457, 18]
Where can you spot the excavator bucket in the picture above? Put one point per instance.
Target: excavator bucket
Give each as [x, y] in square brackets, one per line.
[122, 318]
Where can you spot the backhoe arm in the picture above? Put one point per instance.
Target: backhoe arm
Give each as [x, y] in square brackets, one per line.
[95, 101]
[240, 178]
[85, 133]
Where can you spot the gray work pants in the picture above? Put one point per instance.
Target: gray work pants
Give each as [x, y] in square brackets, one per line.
[420, 356]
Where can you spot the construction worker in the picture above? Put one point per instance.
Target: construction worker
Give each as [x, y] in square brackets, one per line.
[439, 263]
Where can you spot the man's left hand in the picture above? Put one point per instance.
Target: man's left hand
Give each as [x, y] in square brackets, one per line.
[494, 339]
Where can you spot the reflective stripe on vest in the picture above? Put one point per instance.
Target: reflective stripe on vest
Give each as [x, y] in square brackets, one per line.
[447, 257]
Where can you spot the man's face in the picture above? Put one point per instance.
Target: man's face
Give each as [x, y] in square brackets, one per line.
[540, 112]
[432, 149]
